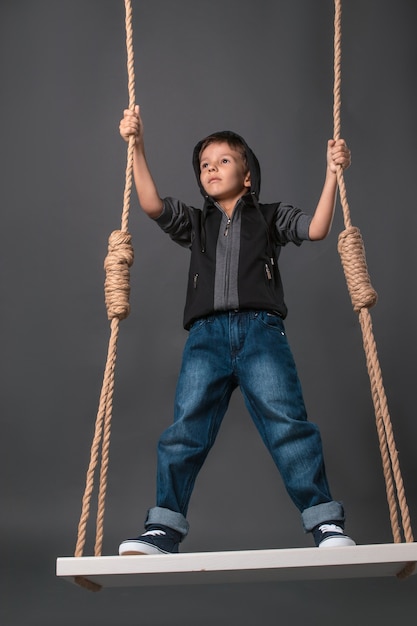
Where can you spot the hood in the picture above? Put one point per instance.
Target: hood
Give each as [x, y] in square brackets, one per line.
[253, 163]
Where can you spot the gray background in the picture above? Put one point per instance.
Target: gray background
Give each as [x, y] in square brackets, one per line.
[265, 70]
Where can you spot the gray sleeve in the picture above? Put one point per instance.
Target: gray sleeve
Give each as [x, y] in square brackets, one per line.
[175, 220]
[292, 225]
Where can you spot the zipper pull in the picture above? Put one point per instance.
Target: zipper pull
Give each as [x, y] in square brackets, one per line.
[226, 232]
[195, 280]
[268, 272]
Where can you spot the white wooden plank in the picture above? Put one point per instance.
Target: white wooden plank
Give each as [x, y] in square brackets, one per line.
[374, 560]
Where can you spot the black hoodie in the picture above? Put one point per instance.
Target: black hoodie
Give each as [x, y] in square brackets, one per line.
[234, 263]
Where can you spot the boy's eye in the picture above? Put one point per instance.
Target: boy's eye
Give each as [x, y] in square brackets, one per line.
[225, 160]
[204, 165]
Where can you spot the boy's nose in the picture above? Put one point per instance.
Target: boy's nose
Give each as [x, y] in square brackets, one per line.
[211, 168]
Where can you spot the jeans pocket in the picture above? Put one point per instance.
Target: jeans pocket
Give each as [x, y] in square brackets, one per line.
[272, 320]
[199, 324]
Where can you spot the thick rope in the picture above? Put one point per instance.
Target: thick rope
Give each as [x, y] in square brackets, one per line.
[363, 296]
[117, 290]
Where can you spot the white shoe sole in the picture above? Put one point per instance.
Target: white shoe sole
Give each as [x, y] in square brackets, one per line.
[138, 547]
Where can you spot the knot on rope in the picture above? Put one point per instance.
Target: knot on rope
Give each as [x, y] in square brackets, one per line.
[352, 254]
[116, 264]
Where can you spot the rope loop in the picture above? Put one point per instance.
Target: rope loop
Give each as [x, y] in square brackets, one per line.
[117, 283]
[352, 253]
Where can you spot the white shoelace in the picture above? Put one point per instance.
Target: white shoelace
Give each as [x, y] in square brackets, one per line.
[154, 533]
[326, 528]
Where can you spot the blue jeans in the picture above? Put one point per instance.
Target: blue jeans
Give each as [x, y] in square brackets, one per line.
[246, 349]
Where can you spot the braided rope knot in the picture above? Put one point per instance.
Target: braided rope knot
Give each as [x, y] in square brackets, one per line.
[117, 284]
[352, 254]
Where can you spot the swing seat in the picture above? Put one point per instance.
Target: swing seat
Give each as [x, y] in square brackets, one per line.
[246, 566]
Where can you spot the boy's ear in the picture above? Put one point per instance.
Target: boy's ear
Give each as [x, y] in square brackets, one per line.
[247, 181]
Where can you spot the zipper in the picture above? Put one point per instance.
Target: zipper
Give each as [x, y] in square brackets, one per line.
[226, 230]
[227, 259]
[195, 280]
[228, 248]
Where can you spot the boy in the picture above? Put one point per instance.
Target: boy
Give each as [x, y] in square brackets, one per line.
[234, 313]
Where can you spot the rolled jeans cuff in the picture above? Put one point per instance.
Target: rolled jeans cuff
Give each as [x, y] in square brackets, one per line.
[166, 517]
[321, 513]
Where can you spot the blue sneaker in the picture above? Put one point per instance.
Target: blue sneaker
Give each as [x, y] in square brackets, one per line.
[330, 535]
[157, 539]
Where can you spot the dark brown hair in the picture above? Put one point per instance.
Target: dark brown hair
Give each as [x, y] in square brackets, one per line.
[228, 137]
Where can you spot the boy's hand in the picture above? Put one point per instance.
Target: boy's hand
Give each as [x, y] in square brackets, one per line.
[131, 124]
[338, 154]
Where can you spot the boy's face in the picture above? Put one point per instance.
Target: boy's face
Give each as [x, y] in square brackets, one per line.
[223, 172]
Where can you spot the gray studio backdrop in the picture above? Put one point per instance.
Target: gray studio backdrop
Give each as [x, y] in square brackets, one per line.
[263, 69]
